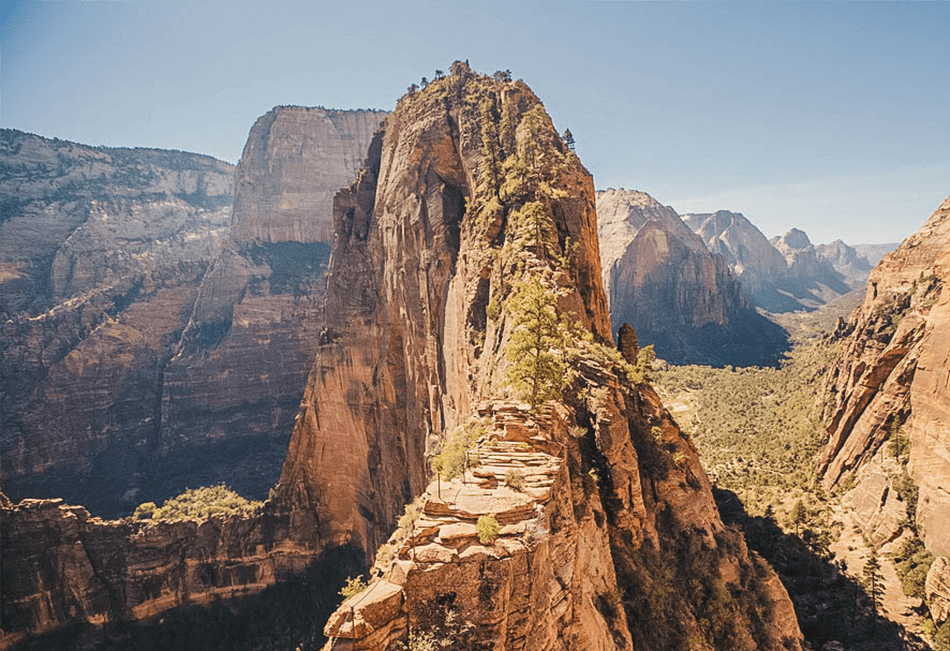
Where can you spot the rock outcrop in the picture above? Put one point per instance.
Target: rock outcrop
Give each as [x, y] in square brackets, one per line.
[891, 378]
[660, 277]
[469, 201]
[470, 194]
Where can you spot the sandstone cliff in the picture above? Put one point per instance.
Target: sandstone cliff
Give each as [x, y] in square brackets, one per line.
[468, 194]
[149, 348]
[248, 347]
[101, 254]
[891, 380]
[660, 277]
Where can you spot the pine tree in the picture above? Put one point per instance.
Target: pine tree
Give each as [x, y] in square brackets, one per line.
[569, 139]
[536, 345]
[798, 516]
[872, 580]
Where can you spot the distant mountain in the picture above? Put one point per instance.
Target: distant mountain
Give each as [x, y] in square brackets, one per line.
[785, 274]
[846, 261]
[661, 278]
[874, 253]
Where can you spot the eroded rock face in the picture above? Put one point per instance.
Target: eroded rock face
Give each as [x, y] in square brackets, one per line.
[249, 345]
[894, 367]
[177, 351]
[660, 277]
[848, 262]
[296, 158]
[101, 254]
[605, 501]
[62, 566]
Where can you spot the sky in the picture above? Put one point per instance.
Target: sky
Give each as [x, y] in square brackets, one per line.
[830, 117]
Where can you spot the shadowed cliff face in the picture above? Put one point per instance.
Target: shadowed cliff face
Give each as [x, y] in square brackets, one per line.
[101, 254]
[248, 347]
[895, 367]
[661, 279]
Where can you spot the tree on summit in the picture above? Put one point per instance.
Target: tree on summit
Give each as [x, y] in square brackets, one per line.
[569, 139]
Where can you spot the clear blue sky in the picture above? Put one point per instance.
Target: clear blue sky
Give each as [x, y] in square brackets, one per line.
[832, 117]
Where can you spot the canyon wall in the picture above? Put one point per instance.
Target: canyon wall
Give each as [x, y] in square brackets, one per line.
[147, 346]
[101, 255]
[890, 385]
[660, 277]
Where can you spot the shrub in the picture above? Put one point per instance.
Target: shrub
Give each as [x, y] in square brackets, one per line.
[487, 528]
[197, 504]
[514, 479]
[451, 460]
[144, 511]
[353, 587]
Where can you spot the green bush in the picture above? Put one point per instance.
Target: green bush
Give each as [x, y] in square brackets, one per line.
[353, 587]
[514, 479]
[198, 504]
[487, 528]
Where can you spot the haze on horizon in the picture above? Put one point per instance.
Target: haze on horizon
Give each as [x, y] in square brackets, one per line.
[830, 117]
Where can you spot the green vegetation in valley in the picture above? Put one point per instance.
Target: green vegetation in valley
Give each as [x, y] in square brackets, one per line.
[198, 503]
[754, 427]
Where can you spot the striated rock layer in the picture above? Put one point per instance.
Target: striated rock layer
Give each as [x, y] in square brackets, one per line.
[101, 254]
[893, 376]
[245, 354]
[660, 277]
[467, 198]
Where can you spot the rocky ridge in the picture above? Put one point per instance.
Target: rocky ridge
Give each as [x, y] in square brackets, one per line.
[601, 503]
[891, 381]
[660, 277]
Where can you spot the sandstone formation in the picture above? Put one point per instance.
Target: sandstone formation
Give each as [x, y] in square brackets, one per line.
[63, 566]
[785, 274]
[245, 354]
[468, 196]
[101, 254]
[468, 193]
[295, 160]
[149, 349]
[892, 376]
[660, 277]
